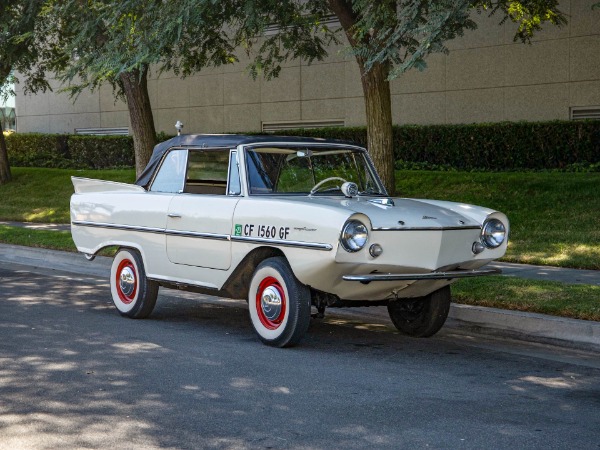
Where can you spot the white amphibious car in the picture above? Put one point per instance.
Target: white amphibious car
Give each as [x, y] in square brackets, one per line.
[286, 223]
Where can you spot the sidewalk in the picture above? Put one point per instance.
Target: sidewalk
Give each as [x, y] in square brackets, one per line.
[547, 273]
[39, 226]
[532, 327]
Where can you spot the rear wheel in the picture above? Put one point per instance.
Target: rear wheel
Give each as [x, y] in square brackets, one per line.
[132, 293]
[279, 304]
[422, 316]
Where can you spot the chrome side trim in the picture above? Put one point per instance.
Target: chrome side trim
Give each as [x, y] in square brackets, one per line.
[115, 226]
[473, 227]
[213, 236]
[421, 276]
[310, 245]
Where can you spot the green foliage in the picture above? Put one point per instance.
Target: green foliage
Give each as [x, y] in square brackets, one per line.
[400, 34]
[563, 145]
[101, 152]
[572, 146]
[274, 31]
[500, 146]
[69, 151]
[19, 50]
[38, 150]
[530, 15]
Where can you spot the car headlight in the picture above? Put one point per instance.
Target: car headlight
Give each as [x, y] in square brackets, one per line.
[493, 233]
[354, 236]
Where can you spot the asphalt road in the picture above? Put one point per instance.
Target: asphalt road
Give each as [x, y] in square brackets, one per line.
[74, 374]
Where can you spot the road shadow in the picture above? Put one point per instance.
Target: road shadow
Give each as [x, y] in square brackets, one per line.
[73, 373]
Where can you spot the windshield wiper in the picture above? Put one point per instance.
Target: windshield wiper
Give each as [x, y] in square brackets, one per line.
[372, 192]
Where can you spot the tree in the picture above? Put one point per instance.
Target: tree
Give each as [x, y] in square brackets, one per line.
[101, 41]
[391, 37]
[18, 53]
[387, 38]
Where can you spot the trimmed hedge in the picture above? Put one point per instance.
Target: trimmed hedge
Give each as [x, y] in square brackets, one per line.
[488, 146]
[101, 152]
[501, 146]
[557, 145]
[38, 150]
[69, 151]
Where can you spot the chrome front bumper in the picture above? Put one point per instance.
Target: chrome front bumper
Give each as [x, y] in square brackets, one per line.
[421, 276]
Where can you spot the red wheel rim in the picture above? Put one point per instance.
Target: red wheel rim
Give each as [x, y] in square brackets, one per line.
[126, 281]
[271, 303]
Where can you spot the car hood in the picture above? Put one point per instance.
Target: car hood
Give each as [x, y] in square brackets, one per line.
[404, 213]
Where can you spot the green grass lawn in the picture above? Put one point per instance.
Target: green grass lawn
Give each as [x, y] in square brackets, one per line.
[554, 221]
[56, 240]
[578, 301]
[42, 195]
[554, 216]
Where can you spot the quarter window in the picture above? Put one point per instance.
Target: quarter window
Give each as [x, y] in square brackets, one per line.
[207, 172]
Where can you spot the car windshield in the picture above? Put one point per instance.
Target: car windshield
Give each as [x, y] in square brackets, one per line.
[303, 171]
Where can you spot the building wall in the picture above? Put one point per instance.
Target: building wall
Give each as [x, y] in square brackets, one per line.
[486, 77]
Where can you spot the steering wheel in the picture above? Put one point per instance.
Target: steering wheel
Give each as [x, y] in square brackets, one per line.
[322, 182]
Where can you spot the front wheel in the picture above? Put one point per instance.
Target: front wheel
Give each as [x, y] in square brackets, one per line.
[422, 316]
[279, 304]
[132, 293]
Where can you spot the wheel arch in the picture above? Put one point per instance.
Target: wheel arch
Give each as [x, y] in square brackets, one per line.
[118, 245]
[238, 283]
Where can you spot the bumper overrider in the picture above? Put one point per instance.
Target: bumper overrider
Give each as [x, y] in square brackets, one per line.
[421, 276]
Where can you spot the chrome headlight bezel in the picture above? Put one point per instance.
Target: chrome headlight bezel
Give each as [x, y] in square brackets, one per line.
[354, 236]
[493, 233]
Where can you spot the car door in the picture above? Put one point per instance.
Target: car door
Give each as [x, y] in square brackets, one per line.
[200, 218]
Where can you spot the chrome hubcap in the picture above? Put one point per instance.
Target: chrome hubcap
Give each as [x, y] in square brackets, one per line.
[127, 281]
[271, 303]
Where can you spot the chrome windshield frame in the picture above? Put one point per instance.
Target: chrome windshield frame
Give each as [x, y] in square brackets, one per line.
[286, 145]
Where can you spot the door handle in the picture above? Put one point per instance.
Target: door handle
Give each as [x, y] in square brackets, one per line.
[174, 215]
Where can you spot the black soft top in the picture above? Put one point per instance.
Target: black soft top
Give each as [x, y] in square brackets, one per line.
[220, 140]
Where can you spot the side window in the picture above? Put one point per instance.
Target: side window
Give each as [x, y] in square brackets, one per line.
[171, 174]
[207, 172]
[235, 187]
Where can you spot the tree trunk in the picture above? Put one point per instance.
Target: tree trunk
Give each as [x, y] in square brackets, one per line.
[135, 87]
[378, 106]
[5, 175]
[378, 103]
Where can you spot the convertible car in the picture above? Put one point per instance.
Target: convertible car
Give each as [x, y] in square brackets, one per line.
[289, 224]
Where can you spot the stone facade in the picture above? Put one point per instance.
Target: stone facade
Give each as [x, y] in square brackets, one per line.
[486, 77]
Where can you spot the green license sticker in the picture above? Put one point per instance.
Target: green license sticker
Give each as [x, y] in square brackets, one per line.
[238, 230]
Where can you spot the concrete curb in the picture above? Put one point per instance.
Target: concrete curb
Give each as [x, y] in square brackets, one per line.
[536, 327]
[525, 326]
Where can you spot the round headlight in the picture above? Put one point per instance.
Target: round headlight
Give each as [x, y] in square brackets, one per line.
[493, 233]
[354, 236]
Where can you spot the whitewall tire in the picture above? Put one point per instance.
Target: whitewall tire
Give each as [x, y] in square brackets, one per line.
[132, 293]
[279, 304]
